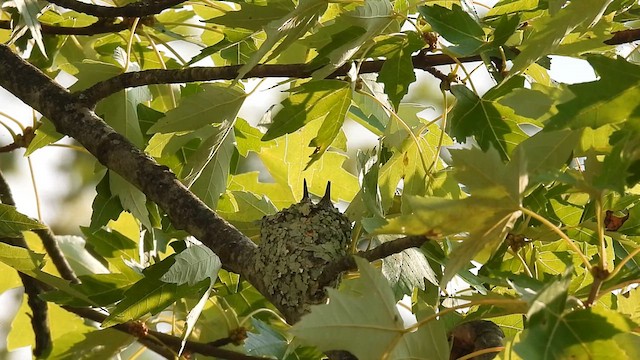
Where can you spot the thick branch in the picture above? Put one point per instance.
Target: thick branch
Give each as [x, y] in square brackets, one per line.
[39, 318]
[99, 27]
[381, 251]
[164, 339]
[138, 9]
[114, 151]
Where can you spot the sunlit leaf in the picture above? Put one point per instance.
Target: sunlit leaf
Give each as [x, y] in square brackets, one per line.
[45, 134]
[215, 103]
[30, 263]
[150, 295]
[367, 306]
[193, 265]
[286, 30]
[550, 30]
[480, 118]
[350, 31]
[609, 100]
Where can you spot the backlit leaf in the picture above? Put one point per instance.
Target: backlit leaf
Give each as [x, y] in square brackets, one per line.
[609, 100]
[13, 223]
[215, 103]
[367, 306]
[550, 30]
[193, 265]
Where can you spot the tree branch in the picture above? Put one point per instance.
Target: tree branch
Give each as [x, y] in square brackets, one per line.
[123, 81]
[170, 341]
[39, 318]
[623, 37]
[346, 263]
[99, 27]
[138, 9]
[57, 257]
[421, 61]
[114, 151]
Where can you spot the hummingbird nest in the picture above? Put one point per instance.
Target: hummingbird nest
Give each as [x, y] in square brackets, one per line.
[295, 246]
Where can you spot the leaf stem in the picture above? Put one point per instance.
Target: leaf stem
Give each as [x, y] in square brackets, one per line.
[442, 132]
[627, 258]
[406, 127]
[130, 43]
[559, 232]
[428, 319]
[600, 233]
[524, 264]
[490, 350]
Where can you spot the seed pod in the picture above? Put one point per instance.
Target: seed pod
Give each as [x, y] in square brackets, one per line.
[295, 246]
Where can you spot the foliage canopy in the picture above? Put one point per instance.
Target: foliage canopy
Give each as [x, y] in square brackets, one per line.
[515, 201]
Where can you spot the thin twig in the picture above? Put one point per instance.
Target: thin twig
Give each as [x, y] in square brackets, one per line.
[57, 256]
[170, 341]
[123, 81]
[99, 27]
[33, 289]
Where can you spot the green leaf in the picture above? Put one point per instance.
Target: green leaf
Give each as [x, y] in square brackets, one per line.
[113, 247]
[120, 111]
[407, 271]
[409, 163]
[324, 99]
[215, 103]
[13, 223]
[367, 307]
[131, 199]
[501, 181]
[505, 28]
[46, 134]
[285, 159]
[278, 193]
[29, 10]
[97, 344]
[629, 303]
[151, 295]
[286, 30]
[548, 150]
[101, 289]
[80, 260]
[397, 72]
[550, 30]
[208, 167]
[193, 265]
[457, 26]
[581, 334]
[609, 100]
[253, 16]
[265, 341]
[481, 118]
[368, 21]
[30, 263]
[105, 205]
[245, 209]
